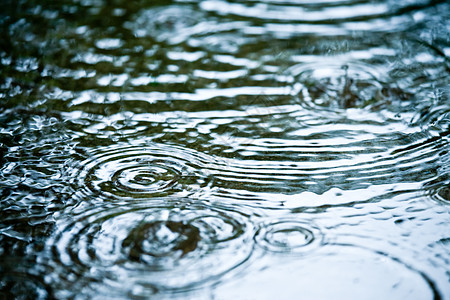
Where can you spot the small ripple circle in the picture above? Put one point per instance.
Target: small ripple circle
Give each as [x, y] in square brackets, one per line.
[145, 177]
[288, 236]
[132, 172]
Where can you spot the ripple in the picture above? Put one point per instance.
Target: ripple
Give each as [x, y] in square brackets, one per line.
[318, 171]
[172, 24]
[15, 285]
[326, 17]
[130, 172]
[336, 85]
[289, 236]
[150, 248]
[438, 186]
[340, 272]
[440, 193]
[331, 109]
[444, 193]
[176, 24]
[153, 176]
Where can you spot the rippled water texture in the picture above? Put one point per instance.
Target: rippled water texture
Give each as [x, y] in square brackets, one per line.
[221, 149]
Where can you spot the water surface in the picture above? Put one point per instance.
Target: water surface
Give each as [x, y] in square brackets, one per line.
[224, 149]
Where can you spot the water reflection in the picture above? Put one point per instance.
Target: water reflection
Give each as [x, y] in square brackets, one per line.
[219, 149]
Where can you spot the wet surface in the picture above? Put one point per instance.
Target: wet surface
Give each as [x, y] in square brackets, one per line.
[224, 149]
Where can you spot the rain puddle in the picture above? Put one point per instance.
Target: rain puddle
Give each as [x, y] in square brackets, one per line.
[221, 149]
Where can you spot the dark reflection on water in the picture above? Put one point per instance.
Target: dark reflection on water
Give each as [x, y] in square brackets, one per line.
[224, 149]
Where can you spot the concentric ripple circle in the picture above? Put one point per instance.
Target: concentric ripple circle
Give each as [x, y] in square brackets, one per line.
[334, 85]
[444, 193]
[170, 23]
[145, 248]
[440, 194]
[338, 272]
[326, 17]
[289, 236]
[153, 176]
[132, 172]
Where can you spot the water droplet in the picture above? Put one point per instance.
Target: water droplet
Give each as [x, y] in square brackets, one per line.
[339, 86]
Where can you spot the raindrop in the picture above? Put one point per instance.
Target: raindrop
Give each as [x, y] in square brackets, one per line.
[331, 85]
